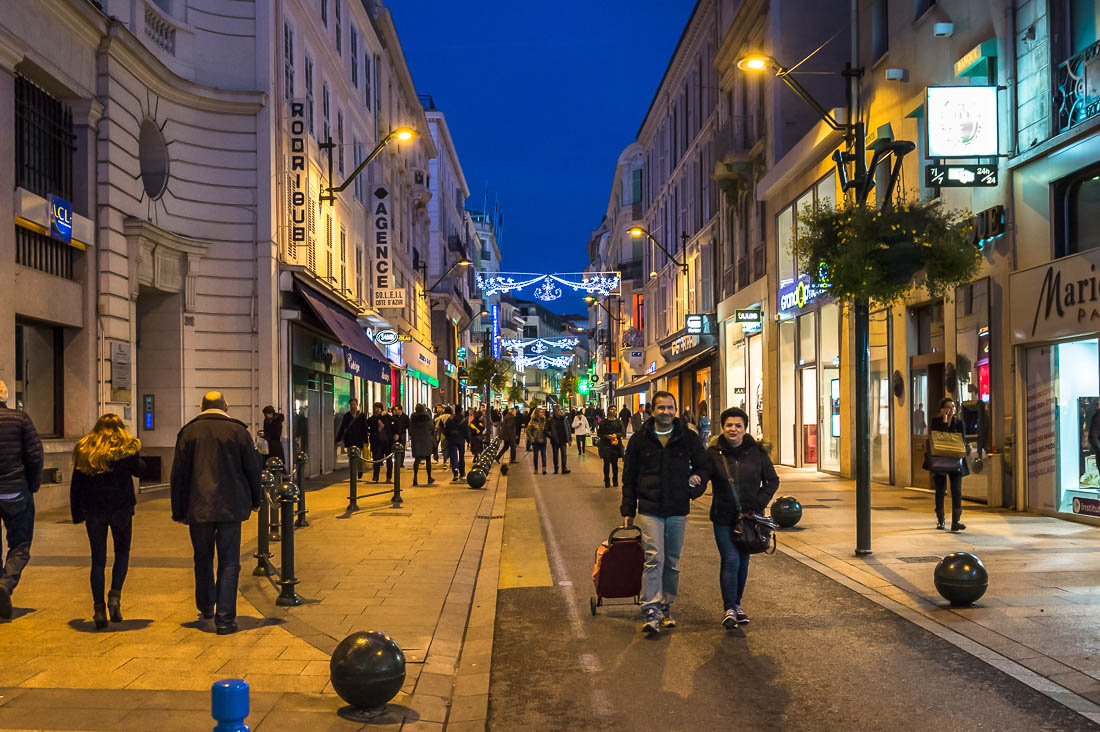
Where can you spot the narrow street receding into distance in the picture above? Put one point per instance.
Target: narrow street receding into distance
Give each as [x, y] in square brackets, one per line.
[816, 656]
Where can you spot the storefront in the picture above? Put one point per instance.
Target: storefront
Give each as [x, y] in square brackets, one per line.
[744, 352]
[419, 378]
[688, 373]
[1055, 312]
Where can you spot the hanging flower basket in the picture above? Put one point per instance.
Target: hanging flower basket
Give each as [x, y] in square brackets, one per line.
[858, 253]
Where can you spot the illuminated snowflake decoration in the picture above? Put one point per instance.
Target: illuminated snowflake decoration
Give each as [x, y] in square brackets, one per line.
[539, 345]
[543, 362]
[602, 284]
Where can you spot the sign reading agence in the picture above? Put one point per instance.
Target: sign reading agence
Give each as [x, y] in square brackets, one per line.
[382, 279]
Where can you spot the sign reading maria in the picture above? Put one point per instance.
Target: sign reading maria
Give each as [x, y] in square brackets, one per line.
[386, 295]
[1057, 299]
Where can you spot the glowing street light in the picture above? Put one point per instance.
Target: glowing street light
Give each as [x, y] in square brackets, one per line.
[637, 232]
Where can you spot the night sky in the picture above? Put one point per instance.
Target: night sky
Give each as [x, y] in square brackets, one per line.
[541, 98]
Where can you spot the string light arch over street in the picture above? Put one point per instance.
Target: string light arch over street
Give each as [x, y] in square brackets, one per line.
[601, 283]
[539, 345]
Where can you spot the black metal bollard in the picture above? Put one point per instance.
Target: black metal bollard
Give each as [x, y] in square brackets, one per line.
[398, 461]
[287, 495]
[355, 458]
[263, 547]
[300, 462]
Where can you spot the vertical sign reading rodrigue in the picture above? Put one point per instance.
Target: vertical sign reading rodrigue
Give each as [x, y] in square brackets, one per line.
[297, 179]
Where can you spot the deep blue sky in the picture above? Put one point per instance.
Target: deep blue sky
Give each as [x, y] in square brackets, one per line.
[541, 98]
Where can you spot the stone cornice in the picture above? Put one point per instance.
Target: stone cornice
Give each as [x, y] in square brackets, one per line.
[137, 229]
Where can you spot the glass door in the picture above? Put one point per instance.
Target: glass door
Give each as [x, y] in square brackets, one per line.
[809, 417]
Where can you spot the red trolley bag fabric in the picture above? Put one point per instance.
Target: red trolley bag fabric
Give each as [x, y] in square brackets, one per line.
[619, 563]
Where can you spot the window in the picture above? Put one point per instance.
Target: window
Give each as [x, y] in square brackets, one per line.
[324, 13]
[366, 81]
[43, 141]
[920, 7]
[343, 261]
[1076, 232]
[339, 33]
[530, 331]
[353, 45]
[786, 225]
[880, 32]
[340, 139]
[288, 61]
[359, 273]
[307, 69]
[39, 376]
[357, 157]
[326, 126]
[328, 249]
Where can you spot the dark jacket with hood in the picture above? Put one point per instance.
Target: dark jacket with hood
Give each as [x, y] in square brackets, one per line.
[456, 431]
[558, 429]
[215, 472]
[102, 494]
[754, 478]
[380, 432]
[422, 434]
[508, 428]
[353, 430]
[21, 454]
[655, 478]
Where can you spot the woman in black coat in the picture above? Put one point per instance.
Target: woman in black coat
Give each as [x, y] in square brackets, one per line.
[611, 435]
[738, 463]
[422, 437]
[101, 496]
[943, 469]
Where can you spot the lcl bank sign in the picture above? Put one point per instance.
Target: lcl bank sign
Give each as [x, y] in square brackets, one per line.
[1056, 300]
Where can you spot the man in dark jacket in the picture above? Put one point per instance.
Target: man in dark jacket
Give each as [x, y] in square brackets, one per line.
[215, 486]
[400, 424]
[508, 435]
[380, 434]
[20, 476]
[456, 432]
[559, 439]
[624, 416]
[664, 470]
[273, 435]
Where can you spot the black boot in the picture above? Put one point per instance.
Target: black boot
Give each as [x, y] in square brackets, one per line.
[99, 616]
[114, 605]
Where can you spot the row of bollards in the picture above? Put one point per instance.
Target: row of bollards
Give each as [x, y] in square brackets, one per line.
[483, 465]
[355, 466]
[278, 525]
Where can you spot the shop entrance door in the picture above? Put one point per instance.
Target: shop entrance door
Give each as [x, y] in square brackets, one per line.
[327, 415]
[926, 378]
[809, 418]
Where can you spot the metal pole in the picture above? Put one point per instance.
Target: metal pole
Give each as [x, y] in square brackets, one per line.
[263, 518]
[353, 478]
[861, 326]
[275, 466]
[398, 459]
[287, 597]
[301, 458]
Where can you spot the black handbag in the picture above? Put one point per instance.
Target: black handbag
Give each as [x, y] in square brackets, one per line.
[752, 533]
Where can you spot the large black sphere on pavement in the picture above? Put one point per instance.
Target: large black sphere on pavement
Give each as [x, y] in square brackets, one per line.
[961, 578]
[367, 670]
[786, 511]
[476, 478]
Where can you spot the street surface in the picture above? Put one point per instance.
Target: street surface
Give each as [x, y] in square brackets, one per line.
[816, 656]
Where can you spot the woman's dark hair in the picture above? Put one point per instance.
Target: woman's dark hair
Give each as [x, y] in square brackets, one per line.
[448, 410]
[734, 412]
[947, 400]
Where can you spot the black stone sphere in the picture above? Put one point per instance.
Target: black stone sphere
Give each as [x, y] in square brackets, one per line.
[367, 669]
[961, 578]
[475, 478]
[786, 511]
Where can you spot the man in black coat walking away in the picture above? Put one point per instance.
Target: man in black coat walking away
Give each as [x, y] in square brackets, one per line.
[380, 434]
[559, 439]
[508, 435]
[215, 486]
[664, 470]
[353, 430]
[20, 476]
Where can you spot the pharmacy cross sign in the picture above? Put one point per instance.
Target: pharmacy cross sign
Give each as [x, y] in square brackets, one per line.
[603, 284]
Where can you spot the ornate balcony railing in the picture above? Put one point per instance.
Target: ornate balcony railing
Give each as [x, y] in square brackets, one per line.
[1077, 95]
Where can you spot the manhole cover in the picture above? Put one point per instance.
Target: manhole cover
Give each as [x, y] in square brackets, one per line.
[919, 560]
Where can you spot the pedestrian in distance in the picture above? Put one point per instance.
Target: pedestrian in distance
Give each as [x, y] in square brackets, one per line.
[612, 437]
[21, 460]
[558, 432]
[457, 433]
[739, 465]
[442, 414]
[101, 496]
[508, 435]
[400, 425]
[581, 428]
[380, 436]
[704, 421]
[422, 436]
[536, 438]
[272, 433]
[637, 420]
[624, 416]
[215, 486]
[664, 469]
[476, 423]
[945, 469]
[353, 430]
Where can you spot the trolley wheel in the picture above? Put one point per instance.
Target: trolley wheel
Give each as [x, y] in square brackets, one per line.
[592, 603]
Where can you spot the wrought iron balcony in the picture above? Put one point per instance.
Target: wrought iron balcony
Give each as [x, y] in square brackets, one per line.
[1077, 95]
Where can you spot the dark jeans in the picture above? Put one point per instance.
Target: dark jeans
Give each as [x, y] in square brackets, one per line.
[458, 458]
[18, 518]
[506, 446]
[581, 442]
[379, 450]
[121, 525]
[611, 465]
[427, 467]
[539, 448]
[563, 450]
[734, 569]
[217, 597]
[939, 481]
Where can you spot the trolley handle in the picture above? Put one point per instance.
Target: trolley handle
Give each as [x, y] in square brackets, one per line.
[635, 532]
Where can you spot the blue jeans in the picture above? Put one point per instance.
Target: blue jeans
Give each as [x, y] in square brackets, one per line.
[539, 448]
[458, 458]
[663, 539]
[734, 569]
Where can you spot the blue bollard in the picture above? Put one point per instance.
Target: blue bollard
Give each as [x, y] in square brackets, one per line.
[229, 705]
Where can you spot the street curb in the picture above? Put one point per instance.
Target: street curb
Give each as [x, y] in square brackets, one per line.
[914, 612]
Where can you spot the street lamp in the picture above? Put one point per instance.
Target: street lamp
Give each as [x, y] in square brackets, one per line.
[464, 262]
[401, 134]
[471, 321]
[637, 232]
[861, 182]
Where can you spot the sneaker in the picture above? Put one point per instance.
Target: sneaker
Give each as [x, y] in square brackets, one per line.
[958, 527]
[667, 621]
[431, 481]
[940, 526]
[741, 617]
[652, 624]
[565, 471]
[729, 620]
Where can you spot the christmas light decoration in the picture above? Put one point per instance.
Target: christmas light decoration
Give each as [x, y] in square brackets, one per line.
[603, 284]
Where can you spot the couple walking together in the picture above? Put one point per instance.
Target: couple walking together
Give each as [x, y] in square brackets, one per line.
[666, 467]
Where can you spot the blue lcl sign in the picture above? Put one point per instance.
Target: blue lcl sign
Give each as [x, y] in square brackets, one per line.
[61, 219]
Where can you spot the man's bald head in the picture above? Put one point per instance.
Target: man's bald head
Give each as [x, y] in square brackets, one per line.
[214, 400]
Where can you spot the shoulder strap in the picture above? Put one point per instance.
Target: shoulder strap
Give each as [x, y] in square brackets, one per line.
[729, 480]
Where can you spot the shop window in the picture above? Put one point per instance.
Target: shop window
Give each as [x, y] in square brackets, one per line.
[928, 322]
[879, 366]
[972, 364]
[1080, 209]
[38, 376]
[43, 141]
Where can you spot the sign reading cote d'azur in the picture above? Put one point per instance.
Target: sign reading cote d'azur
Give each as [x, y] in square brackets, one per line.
[1056, 299]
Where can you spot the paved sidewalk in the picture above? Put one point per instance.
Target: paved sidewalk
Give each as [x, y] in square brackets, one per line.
[1038, 621]
[410, 572]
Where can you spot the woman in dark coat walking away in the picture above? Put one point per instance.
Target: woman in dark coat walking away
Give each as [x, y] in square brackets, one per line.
[612, 437]
[422, 436]
[943, 469]
[101, 496]
[739, 463]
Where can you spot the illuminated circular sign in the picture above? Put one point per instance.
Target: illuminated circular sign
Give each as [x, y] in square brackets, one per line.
[386, 337]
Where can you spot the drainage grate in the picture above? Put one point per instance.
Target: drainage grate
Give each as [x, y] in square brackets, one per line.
[494, 516]
[914, 498]
[823, 500]
[814, 505]
[918, 560]
[888, 508]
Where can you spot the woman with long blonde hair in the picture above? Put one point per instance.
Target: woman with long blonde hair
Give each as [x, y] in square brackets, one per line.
[101, 495]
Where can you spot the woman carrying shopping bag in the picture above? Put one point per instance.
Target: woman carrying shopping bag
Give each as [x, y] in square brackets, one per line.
[945, 453]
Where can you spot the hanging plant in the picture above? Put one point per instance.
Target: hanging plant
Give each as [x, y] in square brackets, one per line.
[858, 253]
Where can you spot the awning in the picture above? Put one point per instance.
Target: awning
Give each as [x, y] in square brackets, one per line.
[362, 357]
[634, 387]
[642, 384]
